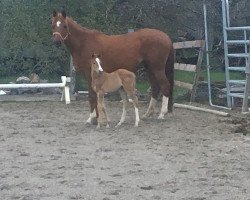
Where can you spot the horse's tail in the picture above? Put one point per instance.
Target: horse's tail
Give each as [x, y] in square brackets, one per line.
[170, 76]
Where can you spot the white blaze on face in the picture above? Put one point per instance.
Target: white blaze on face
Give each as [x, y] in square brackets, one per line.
[99, 64]
[58, 23]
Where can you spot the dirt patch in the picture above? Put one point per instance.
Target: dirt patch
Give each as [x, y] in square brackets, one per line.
[46, 152]
[240, 124]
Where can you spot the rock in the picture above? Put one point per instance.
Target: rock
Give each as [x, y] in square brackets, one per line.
[22, 79]
[25, 80]
[146, 187]
[49, 91]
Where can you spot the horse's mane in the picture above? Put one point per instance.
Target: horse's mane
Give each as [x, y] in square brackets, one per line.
[73, 23]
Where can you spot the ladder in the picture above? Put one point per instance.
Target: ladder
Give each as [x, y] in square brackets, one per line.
[230, 33]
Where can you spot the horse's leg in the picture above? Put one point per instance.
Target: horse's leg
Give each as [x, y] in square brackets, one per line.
[93, 107]
[124, 103]
[155, 90]
[169, 67]
[165, 89]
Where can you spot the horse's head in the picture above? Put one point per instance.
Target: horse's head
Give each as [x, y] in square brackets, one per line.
[96, 63]
[60, 27]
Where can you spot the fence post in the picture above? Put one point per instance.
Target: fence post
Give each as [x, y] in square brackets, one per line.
[247, 86]
[198, 70]
[72, 76]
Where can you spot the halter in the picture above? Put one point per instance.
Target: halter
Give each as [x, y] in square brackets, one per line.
[61, 37]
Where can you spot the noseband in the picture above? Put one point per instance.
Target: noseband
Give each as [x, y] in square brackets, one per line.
[61, 37]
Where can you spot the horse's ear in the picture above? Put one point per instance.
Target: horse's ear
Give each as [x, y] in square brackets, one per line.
[54, 13]
[64, 14]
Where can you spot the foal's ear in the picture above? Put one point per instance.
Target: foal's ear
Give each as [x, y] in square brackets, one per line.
[54, 13]
[64, 14]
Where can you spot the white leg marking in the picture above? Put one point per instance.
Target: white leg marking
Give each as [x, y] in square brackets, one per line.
[151, 107]
[164, 107]
[123, 114]
[137, 118]
[99, 64]
[91, 116]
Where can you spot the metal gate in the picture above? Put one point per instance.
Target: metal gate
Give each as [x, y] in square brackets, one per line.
[236, 36]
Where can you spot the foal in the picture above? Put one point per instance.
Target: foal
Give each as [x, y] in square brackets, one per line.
[122, 80]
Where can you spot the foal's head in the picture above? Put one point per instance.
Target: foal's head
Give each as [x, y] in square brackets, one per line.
[96, 63]
[60, 27]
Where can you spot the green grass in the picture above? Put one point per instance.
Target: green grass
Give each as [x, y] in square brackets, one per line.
[5, 80]
[215, 76]
[142, 86]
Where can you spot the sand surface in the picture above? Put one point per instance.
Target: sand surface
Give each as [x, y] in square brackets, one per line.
[47, 153]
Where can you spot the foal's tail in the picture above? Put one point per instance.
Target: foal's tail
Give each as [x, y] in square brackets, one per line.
[170, 76]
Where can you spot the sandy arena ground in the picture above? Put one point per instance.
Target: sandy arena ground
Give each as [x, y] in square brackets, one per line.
[47, 153]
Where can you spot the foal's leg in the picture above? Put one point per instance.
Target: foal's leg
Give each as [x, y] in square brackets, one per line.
[155, 90]
[124, 103]
[135, 103]
[101, 109]
[93, 106]
[105, 113]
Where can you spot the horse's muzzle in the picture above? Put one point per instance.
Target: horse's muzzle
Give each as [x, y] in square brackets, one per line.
[57, 42]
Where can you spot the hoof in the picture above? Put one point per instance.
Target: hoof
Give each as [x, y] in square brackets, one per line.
[119, 124]
[145, 116]
[88, 121]
[98, 127]
[92, 121]
[161, 116]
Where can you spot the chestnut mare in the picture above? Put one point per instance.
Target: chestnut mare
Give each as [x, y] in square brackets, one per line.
[103, 82]
[151, 47]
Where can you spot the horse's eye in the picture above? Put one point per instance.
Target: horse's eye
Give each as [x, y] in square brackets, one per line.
[64, 26]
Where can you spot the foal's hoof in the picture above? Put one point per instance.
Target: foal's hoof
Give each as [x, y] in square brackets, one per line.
[144, 116]
[161, 116]
[119, 124]
[98, 127]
